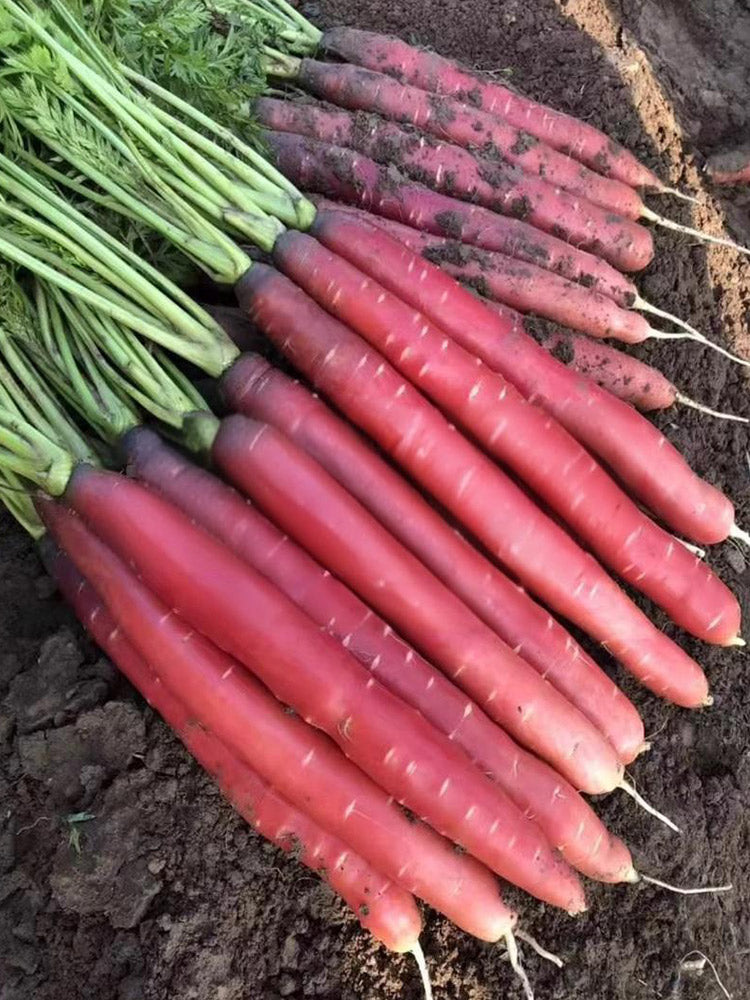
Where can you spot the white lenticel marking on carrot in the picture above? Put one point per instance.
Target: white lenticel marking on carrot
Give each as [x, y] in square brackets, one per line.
[379, 370]
[411, 768]
[380, 298]
[716, 621]
[491, 696]
[370, 683]
[512, 842]
[307, 759]
[166, 617]
[389, 755]
[430, 682]
[475, 390]
[470, 812]
[228, 672]
[444, 788]
[400, 391]
[464, 482]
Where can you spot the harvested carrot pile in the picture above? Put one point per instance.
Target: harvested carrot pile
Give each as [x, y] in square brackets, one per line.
[410, 582]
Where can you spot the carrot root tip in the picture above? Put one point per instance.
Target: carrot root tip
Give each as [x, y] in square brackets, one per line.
[515, 961]
[660, 220]
[676, 193]
[721, 415]
[424, 972]
[680, 890]
[638, 798]
[532, 942]
[739, 534]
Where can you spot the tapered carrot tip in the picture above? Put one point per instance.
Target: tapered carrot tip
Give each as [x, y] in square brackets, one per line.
[737, 641]
[424, 972]
[708, 701]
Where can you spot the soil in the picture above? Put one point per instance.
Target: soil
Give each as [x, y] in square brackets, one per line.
[124, 876]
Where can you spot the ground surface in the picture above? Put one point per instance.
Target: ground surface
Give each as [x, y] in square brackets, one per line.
[170, 896]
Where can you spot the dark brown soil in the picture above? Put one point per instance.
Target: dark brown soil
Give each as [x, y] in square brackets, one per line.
[168, 894]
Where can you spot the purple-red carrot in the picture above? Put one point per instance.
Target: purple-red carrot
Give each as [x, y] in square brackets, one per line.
[347, 176]
[257, 389]
[518, 284]
[235, 606]
[361, 383]
[307, 503]
[434, 73]
[653, 470]
[461, 173]
[364, 90]
[521, 436]
[628, 378]
[381, 907]
[303, 765]
[562, 814]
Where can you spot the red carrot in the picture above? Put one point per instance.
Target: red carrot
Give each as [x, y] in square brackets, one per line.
[308, 670]
[323, 517]
[301, 764]
[347, 176]
[434, 73]
[653, 470]
[521, 436]
[381, 907]
[519, 284]
[364, 90]
[563, 815]
[624, 376]
[539, 553]
[456, 171]
[257, 389]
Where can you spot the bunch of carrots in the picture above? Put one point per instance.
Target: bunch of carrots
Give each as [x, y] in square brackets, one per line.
[345, 605]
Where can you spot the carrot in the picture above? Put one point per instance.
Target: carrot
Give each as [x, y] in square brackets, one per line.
[323, 517]
[300, 763]
[434, 73]
[347, 176]
[541, 555]
[232, 604]
[560, 812]
[381, 907]
[255, 388]
[521, 436]
[464, 124]
[624, 376]
[519, 284]
[653, 470]
[361, 89]
[456, 171]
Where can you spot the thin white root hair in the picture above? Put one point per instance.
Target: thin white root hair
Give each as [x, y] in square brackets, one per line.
[663, 335]
[643, 306]
[541, 951]
[685, 892]
[424, 972]
[687, 401]
[740, 534]
[515, 961]
[699, 966]
[695, 549]
[637, 797]
[659, 220]
[676, 193]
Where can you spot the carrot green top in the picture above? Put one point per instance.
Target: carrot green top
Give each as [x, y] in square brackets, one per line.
[141, 149]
